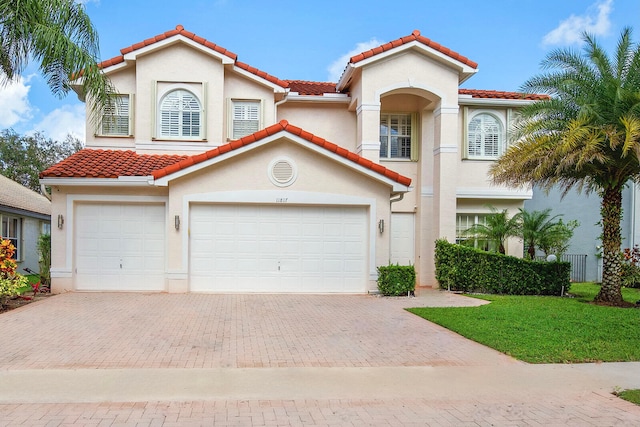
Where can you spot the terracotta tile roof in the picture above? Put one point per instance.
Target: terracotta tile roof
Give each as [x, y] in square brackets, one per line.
[502, 95]
[179, 30]
[414, 36]
[283, 125]
[254, 70]
[17, 196]
[311, 88]
[89, 163]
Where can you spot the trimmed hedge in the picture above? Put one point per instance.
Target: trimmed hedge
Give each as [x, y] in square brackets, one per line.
[396, 280]
[465, 269]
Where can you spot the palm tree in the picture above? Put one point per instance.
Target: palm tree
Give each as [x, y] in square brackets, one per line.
[59, 35]
[534, 227]
[497, 227]
[586, 135]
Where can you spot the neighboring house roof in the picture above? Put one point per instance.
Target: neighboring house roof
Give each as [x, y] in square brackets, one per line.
[89, 163]
[414, 36]
[180, 31]
[17, 196]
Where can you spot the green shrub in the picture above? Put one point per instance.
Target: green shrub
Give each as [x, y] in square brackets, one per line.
[396, 280]
[465, 269]
[10, 281]
[631, 267]
[44, 249]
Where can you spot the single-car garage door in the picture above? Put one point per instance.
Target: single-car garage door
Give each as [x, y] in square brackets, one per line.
[120, 247]
[275, 248]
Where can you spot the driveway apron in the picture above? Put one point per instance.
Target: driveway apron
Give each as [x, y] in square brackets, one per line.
[275, 359]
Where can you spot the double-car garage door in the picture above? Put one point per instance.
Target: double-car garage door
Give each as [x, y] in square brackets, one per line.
[278, 248]
[232, 248]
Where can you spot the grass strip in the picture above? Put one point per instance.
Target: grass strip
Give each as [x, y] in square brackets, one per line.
[632, 396]
[548, 329]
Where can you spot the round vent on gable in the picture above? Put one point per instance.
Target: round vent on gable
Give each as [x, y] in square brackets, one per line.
[282, 172]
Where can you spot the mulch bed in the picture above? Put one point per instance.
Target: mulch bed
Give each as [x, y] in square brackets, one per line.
[18, 302]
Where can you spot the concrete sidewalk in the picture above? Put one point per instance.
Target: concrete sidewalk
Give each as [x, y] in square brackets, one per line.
[519, 382]
[267, 360]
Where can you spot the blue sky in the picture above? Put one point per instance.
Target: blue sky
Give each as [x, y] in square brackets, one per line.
[312, 40]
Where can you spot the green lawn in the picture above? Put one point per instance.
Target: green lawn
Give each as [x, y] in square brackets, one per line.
[548, 329]
[632, 396]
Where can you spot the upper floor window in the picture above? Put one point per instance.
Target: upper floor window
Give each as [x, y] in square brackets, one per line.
[395, 136]
[245, 118]
[11, 230]
[485, 137]
[180, 115]
[116, 118]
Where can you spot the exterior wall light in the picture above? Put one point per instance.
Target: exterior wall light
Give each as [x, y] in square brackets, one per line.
[60, 221]
[381, 226]
[176, 221]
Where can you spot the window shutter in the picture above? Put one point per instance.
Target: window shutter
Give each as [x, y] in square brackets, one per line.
[245, 118]
[154, 109]
[116, 117]
[131, 111]
[415, 143]
[180, 115]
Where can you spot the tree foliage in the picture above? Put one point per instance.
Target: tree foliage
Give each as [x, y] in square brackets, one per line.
[496, 229]
[60, 37]
[535, 227]
[22, 158]
[585, 136]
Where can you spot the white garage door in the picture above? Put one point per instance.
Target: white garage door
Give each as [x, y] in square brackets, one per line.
[120, 247]
[254, 248]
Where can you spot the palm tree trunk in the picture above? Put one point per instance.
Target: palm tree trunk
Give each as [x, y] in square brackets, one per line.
[611, 212]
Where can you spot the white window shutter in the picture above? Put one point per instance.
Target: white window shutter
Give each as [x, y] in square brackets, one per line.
[245, 118]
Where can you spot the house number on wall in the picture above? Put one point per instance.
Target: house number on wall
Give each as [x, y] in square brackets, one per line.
[281, 199]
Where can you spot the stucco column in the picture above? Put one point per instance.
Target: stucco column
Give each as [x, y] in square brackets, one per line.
[445, 155]
[177, 240]
[368, 131]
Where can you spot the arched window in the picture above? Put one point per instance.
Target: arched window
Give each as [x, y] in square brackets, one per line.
[180, 115]
[485, 137]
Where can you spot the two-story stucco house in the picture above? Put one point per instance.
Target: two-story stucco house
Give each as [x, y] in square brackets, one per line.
[209, 175]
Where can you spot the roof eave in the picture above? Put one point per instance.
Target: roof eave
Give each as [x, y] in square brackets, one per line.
[465, 71]
[340, 98]
[133, 55]
[122, 181]
[275, 87]
[345, 79]
[498, 102]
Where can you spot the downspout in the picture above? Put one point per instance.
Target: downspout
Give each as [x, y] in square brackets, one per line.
[397, 199]
[43, 190]
[277, 104]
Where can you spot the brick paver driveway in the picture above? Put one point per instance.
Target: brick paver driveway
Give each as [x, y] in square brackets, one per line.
[117, 359]
[135, 330]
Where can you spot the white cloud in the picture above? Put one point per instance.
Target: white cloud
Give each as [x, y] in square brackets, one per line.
[68, 119]
[337, 67]
[594, 21]
[14, 102]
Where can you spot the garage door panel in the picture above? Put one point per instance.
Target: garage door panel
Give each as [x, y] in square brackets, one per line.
[278, 249]
[120, 247]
